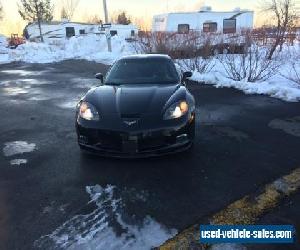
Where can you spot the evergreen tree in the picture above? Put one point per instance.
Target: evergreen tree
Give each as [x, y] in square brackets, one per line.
[36, 11]
[123, 19]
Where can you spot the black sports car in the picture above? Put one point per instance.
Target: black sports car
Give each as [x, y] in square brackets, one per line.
[142, 108]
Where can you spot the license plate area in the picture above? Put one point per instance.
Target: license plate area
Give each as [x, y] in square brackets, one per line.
[130, 144]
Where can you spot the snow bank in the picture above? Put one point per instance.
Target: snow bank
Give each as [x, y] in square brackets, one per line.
[277, 86]
[90, 47]
[4, 58]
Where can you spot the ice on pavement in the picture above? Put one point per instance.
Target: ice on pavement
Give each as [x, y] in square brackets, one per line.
[18, 147]
[105, 227]
[18, 162]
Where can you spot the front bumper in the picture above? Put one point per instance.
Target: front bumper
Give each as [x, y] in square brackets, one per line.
[172, 149]
[136, 145]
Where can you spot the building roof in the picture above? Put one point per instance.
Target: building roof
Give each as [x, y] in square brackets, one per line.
[202, 12]
[60, 22]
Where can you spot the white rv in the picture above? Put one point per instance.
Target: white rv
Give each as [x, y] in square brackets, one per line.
[205, 20]
[126, 31]
[56, 30]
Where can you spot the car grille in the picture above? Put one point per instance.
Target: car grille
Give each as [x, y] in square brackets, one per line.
[114, 141]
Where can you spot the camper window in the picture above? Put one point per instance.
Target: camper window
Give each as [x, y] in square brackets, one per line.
[210, 27]
[132, 33]
[81, 32]
[113, 32]
[70, 31]
[229, 26]
[183, 28]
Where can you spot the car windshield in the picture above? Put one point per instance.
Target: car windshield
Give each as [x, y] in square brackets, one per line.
[142, 71]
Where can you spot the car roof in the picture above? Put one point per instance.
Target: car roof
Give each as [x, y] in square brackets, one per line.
[146, 56]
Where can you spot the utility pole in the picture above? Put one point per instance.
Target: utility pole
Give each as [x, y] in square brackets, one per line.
[107, 30]
[105, 11]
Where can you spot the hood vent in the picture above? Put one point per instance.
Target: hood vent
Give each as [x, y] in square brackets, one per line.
[130, 116]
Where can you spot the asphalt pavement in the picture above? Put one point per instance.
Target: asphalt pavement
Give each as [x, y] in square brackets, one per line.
[242, 142]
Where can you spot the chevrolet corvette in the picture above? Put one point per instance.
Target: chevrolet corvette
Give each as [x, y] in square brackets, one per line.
[142, 108]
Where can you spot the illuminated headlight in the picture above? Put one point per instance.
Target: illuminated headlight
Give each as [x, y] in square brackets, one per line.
[177, 110]
[88, 112]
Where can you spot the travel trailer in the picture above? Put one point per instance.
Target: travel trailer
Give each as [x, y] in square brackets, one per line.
[206, 21]
[56, 30]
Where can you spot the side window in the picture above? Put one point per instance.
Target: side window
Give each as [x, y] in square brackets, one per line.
[210, 27]
[113, 32]
[183, 28]
[81, 32]
[132, 33]
[229, 26]
[70, 31]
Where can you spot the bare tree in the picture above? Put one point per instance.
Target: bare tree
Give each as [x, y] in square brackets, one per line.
[292, 72]
[63, 13]
[252, 66]
[1, 11]
[198, 64]
[94, 20]
[284, 14]
[70, 7]
[36, 11]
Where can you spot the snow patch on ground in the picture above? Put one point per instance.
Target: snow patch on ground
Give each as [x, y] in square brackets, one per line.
[68, 104]
[105, 227]
[290, 126]
[228, 246]
[18, 147]
[18, 162]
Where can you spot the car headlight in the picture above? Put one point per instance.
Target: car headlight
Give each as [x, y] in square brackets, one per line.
[88, 112]
[176, 111]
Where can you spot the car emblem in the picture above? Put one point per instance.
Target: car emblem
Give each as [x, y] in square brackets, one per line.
[130, 123]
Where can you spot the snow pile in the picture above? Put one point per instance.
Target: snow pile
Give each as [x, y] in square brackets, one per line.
[90, 47]
[3, 42]
[106, 227]
[4, 58]
[277, 86]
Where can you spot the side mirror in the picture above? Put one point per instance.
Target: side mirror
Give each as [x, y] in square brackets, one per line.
[187, 75]
[100, 77]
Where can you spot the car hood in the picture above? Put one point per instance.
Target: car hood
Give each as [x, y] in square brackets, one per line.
[134, 100]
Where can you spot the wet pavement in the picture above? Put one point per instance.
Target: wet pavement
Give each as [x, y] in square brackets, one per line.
[53, 197]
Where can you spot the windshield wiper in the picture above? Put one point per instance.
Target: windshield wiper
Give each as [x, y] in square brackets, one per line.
[112, 83]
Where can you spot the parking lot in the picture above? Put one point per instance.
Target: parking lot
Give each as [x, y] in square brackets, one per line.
[52, 196]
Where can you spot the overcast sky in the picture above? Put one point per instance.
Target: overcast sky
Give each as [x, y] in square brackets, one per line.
[141, 9]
